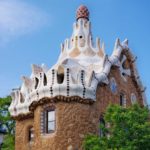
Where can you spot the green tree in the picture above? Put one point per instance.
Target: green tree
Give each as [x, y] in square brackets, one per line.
[7, 123]
[126, 129]
[9, 142]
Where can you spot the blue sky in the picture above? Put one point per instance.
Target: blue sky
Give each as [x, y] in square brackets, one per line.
[31, 32]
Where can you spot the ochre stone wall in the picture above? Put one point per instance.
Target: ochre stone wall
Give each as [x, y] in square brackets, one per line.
[73, 120]
[21, 137]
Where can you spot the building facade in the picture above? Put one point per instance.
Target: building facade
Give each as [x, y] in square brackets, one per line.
[55, 108]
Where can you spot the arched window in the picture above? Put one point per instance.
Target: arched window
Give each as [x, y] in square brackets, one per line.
[36, 82]
[113, 85]
[21, 98]
[48, 120]
[102, 125]
[133, 98]
[123, 100]
[60, 74]
[60, 78]
[45, 80]
[31, 134]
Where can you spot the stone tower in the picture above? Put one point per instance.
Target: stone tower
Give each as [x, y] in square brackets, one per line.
[55, 108]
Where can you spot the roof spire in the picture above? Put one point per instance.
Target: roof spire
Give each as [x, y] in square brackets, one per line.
[82, 12]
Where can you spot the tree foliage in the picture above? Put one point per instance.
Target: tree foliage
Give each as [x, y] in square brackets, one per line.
[126, 129]
[9, 142]
[7, 123]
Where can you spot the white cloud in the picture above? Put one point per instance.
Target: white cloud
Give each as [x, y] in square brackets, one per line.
[19, 18]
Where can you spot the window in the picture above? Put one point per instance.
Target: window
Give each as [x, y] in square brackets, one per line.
[31, 134]
[113, 85]
[45, 80]
[133, 98]
[60, 75]
[50, 121]
[102, 125]
[36, 82]
[80, 36]
[60, 78]
[122, 100]
[21, 98]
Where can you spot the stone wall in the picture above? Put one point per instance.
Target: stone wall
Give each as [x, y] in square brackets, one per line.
[74, 120]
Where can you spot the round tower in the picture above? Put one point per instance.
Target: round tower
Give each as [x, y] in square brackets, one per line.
[56, 108]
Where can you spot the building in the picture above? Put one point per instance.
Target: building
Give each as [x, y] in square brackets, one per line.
[55, 108]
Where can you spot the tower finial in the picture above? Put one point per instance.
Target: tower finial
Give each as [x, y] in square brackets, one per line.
[82, 12]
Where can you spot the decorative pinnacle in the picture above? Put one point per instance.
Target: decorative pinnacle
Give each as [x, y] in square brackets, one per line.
[82, 12]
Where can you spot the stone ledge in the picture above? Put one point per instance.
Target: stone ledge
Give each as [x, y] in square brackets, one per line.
[55, 99]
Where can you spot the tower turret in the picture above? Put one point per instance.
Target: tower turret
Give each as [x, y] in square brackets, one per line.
[82, 12]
